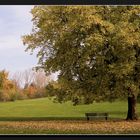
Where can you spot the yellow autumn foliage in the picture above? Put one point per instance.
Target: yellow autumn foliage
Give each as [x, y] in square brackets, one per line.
[7, 88]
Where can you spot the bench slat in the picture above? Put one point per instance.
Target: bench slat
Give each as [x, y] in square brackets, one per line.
[88, 115]
[96, 114]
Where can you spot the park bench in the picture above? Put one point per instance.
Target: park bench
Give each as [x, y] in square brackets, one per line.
[96, 115]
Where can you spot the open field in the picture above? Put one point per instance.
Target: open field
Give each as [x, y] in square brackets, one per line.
[42, 116]
[69, 127]
[45, 109]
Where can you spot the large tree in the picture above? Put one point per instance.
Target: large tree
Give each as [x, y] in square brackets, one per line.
[95, 49]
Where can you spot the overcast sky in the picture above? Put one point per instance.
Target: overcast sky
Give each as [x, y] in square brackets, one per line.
[15, 21]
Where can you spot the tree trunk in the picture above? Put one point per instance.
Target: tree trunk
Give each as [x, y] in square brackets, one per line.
[131, 114]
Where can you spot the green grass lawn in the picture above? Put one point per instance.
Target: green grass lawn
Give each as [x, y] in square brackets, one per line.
[29, 117]
[45, 108]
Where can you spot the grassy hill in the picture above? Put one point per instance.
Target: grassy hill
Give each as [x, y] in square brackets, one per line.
[46, 109]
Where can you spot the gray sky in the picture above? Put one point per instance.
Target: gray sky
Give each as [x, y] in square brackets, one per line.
[15, 21]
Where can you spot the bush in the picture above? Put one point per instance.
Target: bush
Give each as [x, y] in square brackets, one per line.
[50, 90]
[12, 95]
[40, 93]
[4, 96]
[21, 95]
[8, 95]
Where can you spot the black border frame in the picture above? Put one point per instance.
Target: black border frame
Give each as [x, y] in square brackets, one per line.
[71, 137]
[70, 2]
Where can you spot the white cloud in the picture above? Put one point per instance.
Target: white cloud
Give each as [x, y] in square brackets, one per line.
[19, 24]
[15, 21]
[7, 42]
[21, 12]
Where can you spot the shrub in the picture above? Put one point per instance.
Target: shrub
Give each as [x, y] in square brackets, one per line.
[21, 95]
[4, 96]
[12, 95]
[41, 92]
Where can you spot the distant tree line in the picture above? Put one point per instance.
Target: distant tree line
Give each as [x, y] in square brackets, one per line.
[23, 85]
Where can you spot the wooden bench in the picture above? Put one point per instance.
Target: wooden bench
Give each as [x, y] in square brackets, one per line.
[96, 115]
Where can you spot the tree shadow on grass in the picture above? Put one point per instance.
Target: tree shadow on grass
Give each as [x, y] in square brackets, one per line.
[58, 119]
[39, 118]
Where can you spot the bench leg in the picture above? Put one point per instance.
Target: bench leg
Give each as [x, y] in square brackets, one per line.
[87, 118]
[106, 118]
